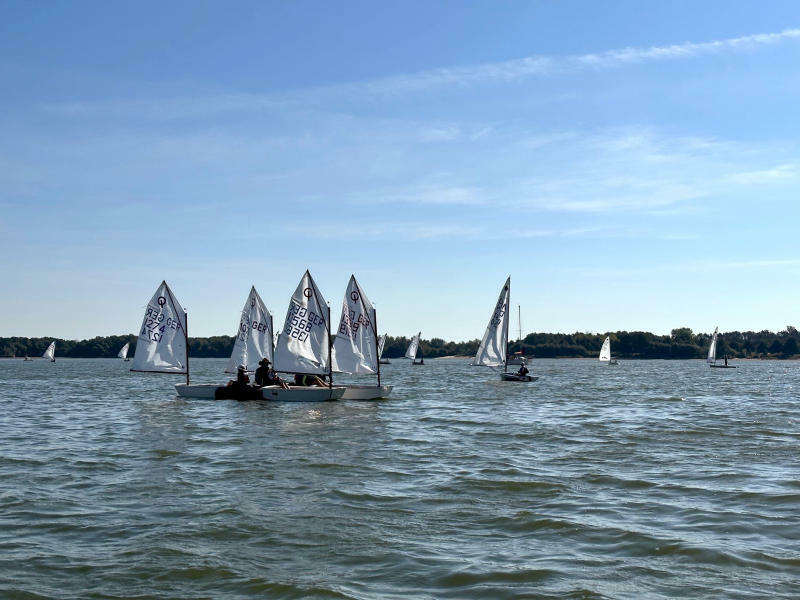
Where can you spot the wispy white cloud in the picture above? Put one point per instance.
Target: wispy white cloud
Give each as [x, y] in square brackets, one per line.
[467, 76]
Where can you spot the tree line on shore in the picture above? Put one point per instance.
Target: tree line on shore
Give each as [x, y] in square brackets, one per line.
[681, 343]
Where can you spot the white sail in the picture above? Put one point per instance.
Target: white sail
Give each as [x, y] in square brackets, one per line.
[411, 353]
[162, 343]
[50, 353]
[123, 352]
[494, 345]
[304, 343]
[355, 348]
[712, 349]
[381, 344]
[254, 337]
[605, 351]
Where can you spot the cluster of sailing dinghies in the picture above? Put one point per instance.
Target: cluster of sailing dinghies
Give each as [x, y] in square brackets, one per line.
[304, 346]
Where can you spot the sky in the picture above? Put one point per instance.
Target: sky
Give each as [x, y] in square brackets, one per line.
[631, 165]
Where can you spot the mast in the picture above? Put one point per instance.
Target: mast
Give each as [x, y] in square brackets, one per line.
[186, 332]
[375, 331]
[519, 322]
[508, 305]
[330, 344]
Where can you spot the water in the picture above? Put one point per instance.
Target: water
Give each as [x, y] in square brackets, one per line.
[652, 479]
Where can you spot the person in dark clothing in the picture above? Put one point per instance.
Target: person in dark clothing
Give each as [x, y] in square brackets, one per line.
[264, 374]
[523, 370]
[242, 379]
[267, 376]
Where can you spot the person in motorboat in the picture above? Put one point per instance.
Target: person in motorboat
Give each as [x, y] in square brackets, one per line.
[267, 376]
[242, 380]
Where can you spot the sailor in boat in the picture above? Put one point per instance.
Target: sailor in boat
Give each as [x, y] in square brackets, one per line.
[726, 360]
[308, 380]
[266, 376]
[523, 370]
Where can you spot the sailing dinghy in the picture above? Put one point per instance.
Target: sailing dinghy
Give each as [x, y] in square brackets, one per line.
[304, 346]
[356, 345]
[123, 352]
[163, 343]
[493, 351]
[712, 354]
[411, 352]
[605, 353]
[50, 353]
[381, 344]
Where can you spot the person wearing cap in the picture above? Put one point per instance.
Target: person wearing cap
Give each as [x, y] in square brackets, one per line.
[266, 376]
[242, 380]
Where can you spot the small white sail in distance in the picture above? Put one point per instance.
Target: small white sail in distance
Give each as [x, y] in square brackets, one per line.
[712, 349]
[123, 352]
[254, 337]
[304, 343]
[50, 353]
[355, 348]
[494, 345]
[162, 343]
[605, 351]
[411, 353]
[381, 344]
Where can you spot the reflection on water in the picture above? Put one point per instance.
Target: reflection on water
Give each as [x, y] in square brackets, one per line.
[652, 479]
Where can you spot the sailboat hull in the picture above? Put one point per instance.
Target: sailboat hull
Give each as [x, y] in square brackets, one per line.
[366, 392]
[271, 392]
[723, 366]
[515, 377]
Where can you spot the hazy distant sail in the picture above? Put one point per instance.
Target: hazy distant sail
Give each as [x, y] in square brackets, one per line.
[381, 344]
[161, 347]
[712, 349]
[411, 353]
[494, 345]
[254, 338]
[355, 348]
[605, 351]
[303, 346]
[123, 352]
[50, 353]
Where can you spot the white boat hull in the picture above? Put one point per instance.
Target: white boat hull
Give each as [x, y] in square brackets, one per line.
[515, 377]
[271, 392]
[366, 392]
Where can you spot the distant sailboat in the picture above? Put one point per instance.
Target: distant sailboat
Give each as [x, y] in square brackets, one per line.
[605, 353]
[50, 353]
[356, 345]
[493, 351]
[411, 352]
[123, 352]
[712, 353]
[381, 344]
[518, 358]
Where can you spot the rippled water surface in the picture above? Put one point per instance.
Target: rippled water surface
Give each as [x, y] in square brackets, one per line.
[652, 479]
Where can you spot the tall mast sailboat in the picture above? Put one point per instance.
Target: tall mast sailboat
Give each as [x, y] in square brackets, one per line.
[50, 353]
[356, 347]
[605, 353]
[712, 353]
[163, 343]
[493, 350]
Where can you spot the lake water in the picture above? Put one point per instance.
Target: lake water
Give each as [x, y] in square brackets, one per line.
[653, 479]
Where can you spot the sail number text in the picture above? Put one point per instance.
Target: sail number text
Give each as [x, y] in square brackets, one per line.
[244, 327]
[156, 323]
[300, 321]
[349, 321]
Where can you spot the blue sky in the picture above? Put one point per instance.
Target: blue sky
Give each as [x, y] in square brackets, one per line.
[631, 165]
